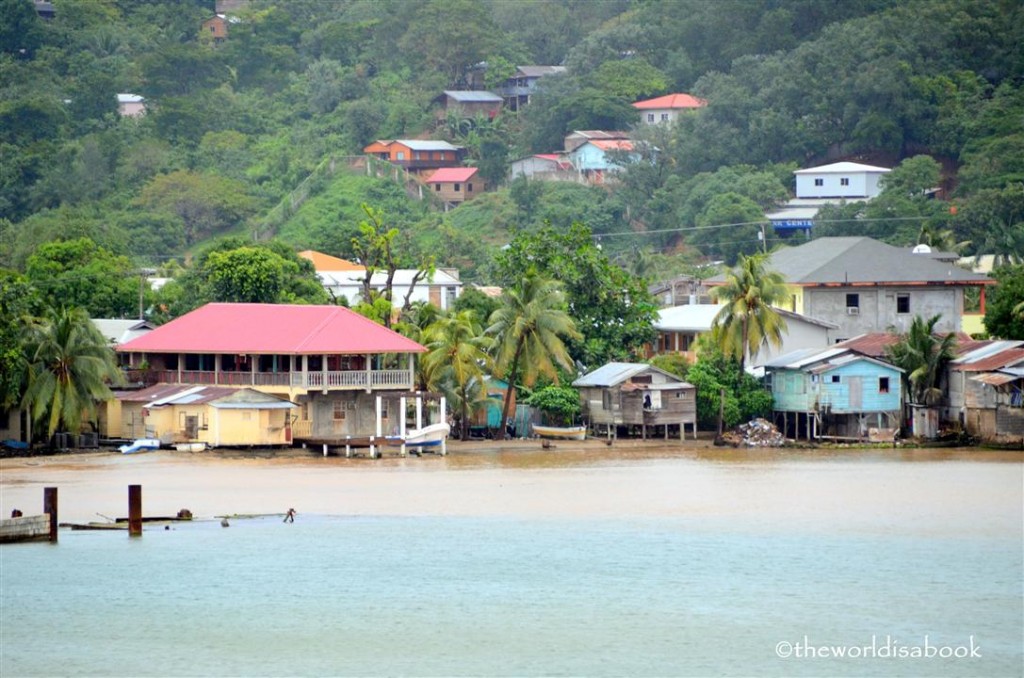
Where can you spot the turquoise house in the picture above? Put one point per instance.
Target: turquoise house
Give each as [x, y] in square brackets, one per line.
[835, 393]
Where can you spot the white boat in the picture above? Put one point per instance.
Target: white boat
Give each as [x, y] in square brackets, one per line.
[428, 436]
[190, 447]
[562, 432]
[141, 445]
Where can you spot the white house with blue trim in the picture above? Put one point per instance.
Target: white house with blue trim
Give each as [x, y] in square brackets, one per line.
[834, 184]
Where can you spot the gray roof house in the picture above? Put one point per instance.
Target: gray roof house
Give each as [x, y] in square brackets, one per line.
[863, 285]
[636, 394]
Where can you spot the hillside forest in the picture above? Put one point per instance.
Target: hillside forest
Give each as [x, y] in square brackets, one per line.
[255, 141]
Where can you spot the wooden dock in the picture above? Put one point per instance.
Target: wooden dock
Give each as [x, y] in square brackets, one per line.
[347, 443]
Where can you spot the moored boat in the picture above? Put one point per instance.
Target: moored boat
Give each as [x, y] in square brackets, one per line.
[561, 432]
[141, 445]
[428, 436]
[190, 447]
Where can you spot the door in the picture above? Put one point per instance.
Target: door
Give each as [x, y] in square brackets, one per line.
[191, 427]
[856, 392]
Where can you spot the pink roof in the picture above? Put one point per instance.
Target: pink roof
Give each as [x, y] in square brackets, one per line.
[280, 329]
[613, 145]
[454, 174]
[548, 156]
[672, 101]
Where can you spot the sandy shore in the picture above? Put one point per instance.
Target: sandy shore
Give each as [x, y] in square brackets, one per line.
[962, 489]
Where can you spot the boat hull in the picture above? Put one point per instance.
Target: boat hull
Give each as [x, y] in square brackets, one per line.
[141, 445]
[190, 447]
[427, 436]
[561, 432]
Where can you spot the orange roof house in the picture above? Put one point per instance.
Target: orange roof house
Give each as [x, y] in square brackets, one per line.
[325, 262]
[667, 108]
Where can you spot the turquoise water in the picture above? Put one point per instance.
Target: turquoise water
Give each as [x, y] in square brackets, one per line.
[503, 596]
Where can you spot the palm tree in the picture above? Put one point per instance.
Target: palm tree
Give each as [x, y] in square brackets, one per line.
[922, 355]
[747, 320]
[413, 325]
[69, 367]
[529, 327]
[458, 356]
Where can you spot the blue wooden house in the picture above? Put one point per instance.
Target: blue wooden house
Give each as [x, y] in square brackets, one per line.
[835, 393]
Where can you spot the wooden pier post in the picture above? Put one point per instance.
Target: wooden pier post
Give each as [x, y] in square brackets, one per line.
[401, 423]
[135, 510]
[50, 507]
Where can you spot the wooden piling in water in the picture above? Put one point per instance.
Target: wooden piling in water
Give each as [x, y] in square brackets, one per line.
[50, 507]
[135, 510]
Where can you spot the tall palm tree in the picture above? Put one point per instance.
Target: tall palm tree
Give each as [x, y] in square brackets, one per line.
[747, 320]
[529, 327]
[458, 355]
[70, 366]
[922, 355]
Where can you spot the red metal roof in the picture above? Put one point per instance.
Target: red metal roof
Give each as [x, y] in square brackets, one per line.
[672, 101]
[453, 174]
[1010, 356]
[280, 329]
[613, 144]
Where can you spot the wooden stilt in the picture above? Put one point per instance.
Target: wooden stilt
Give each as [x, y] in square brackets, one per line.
[50, 507]
[135, 510]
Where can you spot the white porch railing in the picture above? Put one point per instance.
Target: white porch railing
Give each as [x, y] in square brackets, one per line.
[340, 380]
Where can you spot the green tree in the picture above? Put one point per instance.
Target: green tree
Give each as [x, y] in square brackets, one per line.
[722, 384]
[207, 204]
[70, 366]
[631, 79]
[528, 329]
[748, 320]
[1003, 318]
[83, 274]
[20, 30]
[922, 355]
[613, 310]
[560, 403]
[18, 302]
[458, 355]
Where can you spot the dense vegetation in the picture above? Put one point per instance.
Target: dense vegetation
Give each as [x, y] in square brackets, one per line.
[250, 147]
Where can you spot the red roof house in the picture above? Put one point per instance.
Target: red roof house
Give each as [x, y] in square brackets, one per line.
[335, 364]
[455, 184]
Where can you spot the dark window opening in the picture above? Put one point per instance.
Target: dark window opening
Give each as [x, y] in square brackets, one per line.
[883, 384]
[903, 303]
[835, 378]
[852, 301]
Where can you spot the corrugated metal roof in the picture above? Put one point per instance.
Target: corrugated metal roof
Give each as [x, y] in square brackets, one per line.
[473, 96]
[687, 318]
[610, 374]
[427, 145]
[538, 71]
[991, 361]
[325, 262]
[994, 378]
[282, 329]
[842, 168]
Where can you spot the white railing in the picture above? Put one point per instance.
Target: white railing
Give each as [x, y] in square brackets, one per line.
[348, 379]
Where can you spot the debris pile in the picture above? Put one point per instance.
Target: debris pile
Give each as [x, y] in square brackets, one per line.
[755, 433]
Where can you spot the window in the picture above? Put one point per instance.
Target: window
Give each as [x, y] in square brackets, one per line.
[792, 302]
[835, 378]
[437, 187]
[852, 301]
[664, 117]
[844, 181]
[416, 155]
[883, 384]
[400, 155]
[606, 400]
[339, 410]
[819, 182]
[903, 303]
[456, 187]
[650, 117]
[469, 188]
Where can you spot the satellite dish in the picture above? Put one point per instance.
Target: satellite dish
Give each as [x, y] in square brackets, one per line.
[922, 249]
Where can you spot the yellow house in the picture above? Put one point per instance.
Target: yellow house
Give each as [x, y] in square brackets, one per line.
[215, 415]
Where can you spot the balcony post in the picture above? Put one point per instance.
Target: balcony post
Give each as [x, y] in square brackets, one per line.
[323, 372]
[252, 370]
[181, 360]
[369, 375]
[216, 368]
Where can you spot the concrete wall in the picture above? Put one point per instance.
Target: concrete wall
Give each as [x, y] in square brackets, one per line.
[26, 528]
[877, 308]
[861, 184]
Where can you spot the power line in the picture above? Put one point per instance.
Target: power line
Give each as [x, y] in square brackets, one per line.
[683, 229]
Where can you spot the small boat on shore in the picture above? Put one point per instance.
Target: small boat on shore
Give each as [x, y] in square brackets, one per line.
[141, 445]
[561, 432]
[190, 447]
[428, 436]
